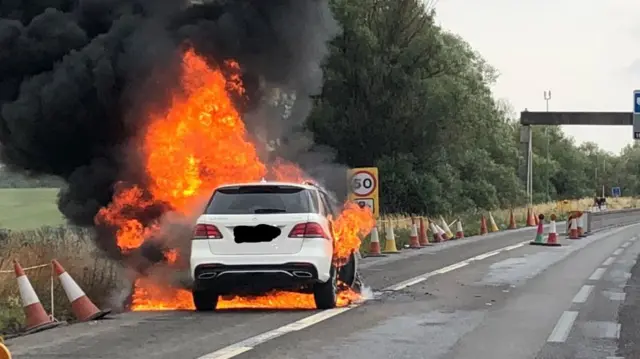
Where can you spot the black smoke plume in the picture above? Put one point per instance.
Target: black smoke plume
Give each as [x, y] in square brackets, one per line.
[77, 78]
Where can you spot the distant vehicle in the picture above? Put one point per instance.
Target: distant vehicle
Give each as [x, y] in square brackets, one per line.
[256, 237]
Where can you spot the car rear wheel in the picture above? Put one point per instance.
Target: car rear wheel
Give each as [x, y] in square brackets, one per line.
[326, 294]
[204, 300]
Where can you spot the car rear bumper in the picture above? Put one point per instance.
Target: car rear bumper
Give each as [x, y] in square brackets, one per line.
[224, 272]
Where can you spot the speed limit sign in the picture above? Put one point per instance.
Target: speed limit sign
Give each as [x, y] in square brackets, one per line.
[363, 183]
[364, 188]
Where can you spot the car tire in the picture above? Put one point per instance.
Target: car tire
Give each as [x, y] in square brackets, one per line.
[326, 294]
[204, 300]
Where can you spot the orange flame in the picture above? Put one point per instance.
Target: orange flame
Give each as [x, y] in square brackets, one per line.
[198, 144]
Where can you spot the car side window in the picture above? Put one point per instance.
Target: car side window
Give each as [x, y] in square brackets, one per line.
[325, 204]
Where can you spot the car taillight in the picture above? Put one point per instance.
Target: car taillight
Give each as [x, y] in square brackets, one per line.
[308, 230]
[206, 231]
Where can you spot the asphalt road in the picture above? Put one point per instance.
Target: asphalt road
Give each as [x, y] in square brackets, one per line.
[490, 297]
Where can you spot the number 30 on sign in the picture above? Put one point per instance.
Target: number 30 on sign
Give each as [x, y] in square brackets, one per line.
[363, 188]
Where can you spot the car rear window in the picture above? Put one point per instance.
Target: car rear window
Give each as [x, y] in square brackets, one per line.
[260, 200]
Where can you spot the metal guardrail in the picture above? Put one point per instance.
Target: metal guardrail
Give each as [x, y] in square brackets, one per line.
[611, 218]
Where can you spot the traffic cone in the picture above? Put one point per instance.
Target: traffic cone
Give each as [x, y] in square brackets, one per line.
[459, 232]
[422, 235]
[81, 306]
[37, 318]
[573, 232]
[535, 217]
[390, 239]
[374, 244]
[483, 226]
[443, 234]
[414, 242]
[581, 233]
[531, 222]
[437, 237]
[4, 351]
[512, 221]
[446, 228]
[553, 234]
[539, 233]
[494, 227]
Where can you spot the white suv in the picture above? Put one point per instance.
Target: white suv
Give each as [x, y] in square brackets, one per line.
[256, 237]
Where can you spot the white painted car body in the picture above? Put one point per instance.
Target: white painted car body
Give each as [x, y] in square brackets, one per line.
[302, 252]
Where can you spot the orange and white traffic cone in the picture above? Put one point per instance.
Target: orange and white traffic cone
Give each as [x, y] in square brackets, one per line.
[414, 243]
[422, 235]
[374, 244]
[459, 232]
[442, 233]
[581, 233]
[512, 221]
[483, 226]
[37, 318]
[552, 240]
[4, 351]
[81, 306]
[531, 221]
[573, 232]
[437, 237]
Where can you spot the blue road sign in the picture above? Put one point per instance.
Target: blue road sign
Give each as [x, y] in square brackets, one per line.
[616, 192]
[636, 115]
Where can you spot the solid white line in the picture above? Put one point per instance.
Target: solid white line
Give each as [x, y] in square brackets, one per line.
[608, 262]
[618, 252]
[515, 246]
[597, 274]
[484, 256]
[246, 345]
[583, 294]
[563, 327]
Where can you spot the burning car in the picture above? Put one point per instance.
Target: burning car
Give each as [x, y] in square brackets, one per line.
[257, 237]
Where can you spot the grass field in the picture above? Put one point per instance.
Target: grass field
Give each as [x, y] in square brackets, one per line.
[29, 208]
[38, 235]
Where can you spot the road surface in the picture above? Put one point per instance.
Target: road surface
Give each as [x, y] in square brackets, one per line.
[490, 297]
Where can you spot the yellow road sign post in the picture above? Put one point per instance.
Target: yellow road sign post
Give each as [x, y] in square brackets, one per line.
[364, 188]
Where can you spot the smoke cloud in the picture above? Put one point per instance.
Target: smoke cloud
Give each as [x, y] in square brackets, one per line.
[77, 78]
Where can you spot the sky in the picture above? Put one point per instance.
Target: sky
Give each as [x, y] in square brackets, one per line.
[586, 52]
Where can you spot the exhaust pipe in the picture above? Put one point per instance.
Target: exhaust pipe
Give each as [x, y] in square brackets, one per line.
[302, 274]
[207, 275]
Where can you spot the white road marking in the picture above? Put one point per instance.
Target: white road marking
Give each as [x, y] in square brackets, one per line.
[626, 244]
[246, 345]
[608, 262]
[618, 252]
[484, 256]
[583, 294]
[563, 327]
[597, 274]
[515, 246]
